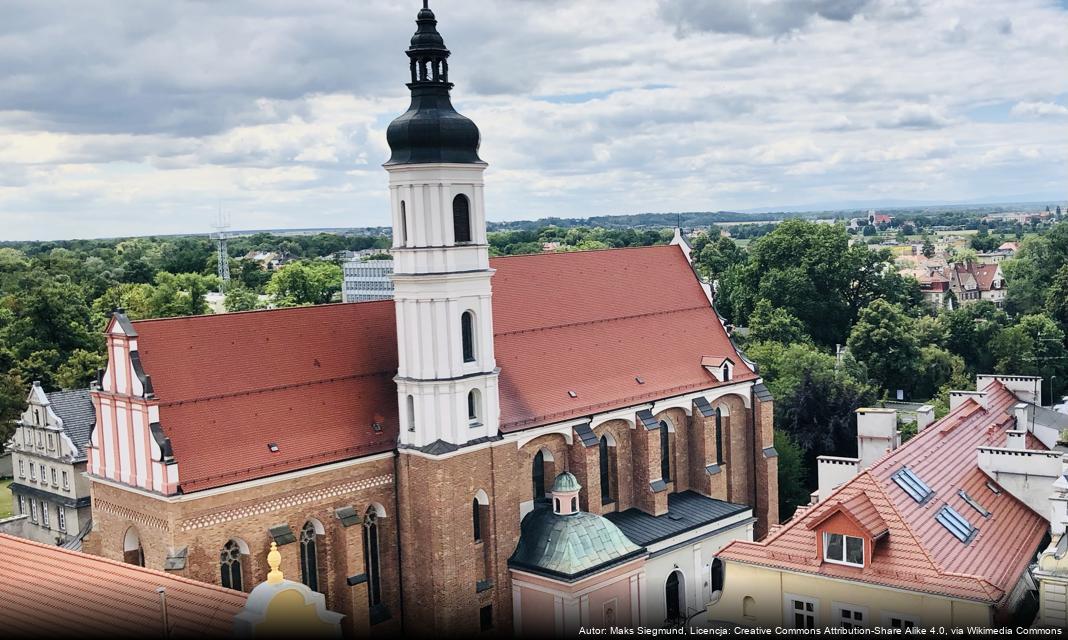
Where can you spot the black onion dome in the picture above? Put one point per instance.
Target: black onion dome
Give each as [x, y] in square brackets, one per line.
[431, 130]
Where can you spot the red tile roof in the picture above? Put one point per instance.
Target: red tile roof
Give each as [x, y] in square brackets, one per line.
[314, 379]
[72, 593]
[919, 554]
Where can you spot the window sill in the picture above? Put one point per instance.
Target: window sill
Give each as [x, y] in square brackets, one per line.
[842, 563]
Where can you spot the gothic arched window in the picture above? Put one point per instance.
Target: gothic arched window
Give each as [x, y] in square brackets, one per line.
[665, 453]
[461, 219]
[230, 566]
[467, 335]
[719, 436]
[370, 557]
[309, 558]
[607, 477]
[476, 516]
[537, 475]
[715, 584]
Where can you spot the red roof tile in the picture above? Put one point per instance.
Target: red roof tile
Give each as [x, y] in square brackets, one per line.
[314, 379]
[76, 593]
[920, 554]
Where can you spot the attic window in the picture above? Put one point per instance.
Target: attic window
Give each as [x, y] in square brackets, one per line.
[912, 485]
[957, 524]
[272, 447]
[973, 504]
[573, 394]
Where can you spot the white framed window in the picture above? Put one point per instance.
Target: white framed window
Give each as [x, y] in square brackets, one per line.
[61, 518]
[44, 475]
[33, 472]
[55, 477]
[850, 616]
[27, 436]
[22, 468]
[33, 510]
[893, 620]
[66, 481]
[44, 515]
[843, 549]
[22, 505]
[51, 442]
[40, 440]
[474, 408]
[801, 612]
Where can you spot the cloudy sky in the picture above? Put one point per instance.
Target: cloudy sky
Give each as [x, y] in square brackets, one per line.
[121, 118]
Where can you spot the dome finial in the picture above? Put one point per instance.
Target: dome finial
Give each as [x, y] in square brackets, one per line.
[274, 560]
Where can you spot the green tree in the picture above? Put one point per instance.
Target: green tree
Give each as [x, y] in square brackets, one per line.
[770, 324]
[301, 283]
[884, 339]
[79, 369]
[713, 257]
[970, 331]
[793, 478]
[928, 247]
[241, 299]
[937, 368]
[181, 294]
[1034, 346]
[1057, 297]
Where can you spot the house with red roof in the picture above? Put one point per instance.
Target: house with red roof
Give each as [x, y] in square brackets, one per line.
[938, 531]
[975, 281]
[405, 454]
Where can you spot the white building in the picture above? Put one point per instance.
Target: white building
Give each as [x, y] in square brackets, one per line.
[48, 458]
[367, 280]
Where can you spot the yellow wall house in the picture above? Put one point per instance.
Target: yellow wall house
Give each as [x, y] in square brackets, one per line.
[936, 532]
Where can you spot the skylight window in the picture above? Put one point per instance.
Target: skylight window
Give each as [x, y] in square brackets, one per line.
[957, 524]
[973, 503]
[912, 485]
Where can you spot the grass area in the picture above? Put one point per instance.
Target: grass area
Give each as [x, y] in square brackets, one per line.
[5, 499]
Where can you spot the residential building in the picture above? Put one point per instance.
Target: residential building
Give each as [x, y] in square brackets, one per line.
[48, 454]
[937, 531]
[973, 282]
[430, 436]
[366, 280]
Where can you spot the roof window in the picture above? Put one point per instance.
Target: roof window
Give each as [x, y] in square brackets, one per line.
[912, 485]
[957, 524]
[973, 504]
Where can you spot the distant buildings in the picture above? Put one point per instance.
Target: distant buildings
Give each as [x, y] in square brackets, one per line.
[48, 460]
[366, 280]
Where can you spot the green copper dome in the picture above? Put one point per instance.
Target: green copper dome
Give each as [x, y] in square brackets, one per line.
[571, 546]
[566, 482]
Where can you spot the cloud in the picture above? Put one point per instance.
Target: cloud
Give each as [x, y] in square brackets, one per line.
[119, 118]
[771, 17]
[1040, 110]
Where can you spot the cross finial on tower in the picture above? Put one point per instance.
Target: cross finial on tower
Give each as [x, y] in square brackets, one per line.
[426, 4]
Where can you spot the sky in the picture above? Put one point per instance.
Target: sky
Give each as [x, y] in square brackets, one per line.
[137, 118]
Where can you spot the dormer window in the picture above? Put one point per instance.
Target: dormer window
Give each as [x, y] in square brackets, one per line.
[842, 549]
[726, 372]
[721, 368]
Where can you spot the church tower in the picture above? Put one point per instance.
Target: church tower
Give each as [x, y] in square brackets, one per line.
[458, 522]
[447, 376]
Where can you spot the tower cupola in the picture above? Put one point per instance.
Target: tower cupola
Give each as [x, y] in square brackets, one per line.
[431, 131]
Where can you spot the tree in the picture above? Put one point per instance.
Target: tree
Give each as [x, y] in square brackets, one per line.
[180, 294]
[971, 330]
[937, 368]
[79, 369]
[792, 476]
[301, 283]
[241, 299]
[928, 247]
[1057, 297]
[771, 324]
[713, 257]
[1034, 346]
[884, 339]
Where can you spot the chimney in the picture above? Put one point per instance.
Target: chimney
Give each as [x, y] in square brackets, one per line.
[876, 434]
[1016, 439]
[1023, 414]
[925, 415]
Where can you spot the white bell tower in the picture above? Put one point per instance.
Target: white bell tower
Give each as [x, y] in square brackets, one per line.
[447, 375]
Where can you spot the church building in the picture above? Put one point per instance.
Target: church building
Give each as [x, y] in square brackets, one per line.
[521, 445]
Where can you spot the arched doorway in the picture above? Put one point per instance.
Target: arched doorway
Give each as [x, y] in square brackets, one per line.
[673, 599]
[132, 552]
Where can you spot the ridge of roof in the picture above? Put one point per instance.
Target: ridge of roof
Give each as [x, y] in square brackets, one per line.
[276, 310]
[580, 251]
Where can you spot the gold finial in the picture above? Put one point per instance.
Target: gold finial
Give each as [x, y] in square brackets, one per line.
[274, 560]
